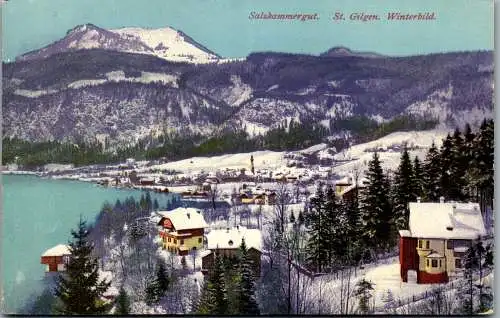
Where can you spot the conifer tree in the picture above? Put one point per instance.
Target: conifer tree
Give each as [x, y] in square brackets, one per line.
[446, 161]
[482, 163]
[334, 233]
[375, 208]
[301, 218]
[220, 305]
[246, 302]
[458, 167]
[418, 179]
[79, 288]
[403, 191]
[162, 278]
[363, 291]
[122, 303]
[432, 174]
[317, 251]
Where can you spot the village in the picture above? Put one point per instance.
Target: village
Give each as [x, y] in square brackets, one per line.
[220, 207]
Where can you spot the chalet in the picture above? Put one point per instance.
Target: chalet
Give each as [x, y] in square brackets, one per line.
[439, 234]
[227, 242]
[182, 230]
[56, 258]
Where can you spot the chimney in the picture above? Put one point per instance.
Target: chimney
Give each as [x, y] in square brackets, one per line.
[418, 199]
[441, 199]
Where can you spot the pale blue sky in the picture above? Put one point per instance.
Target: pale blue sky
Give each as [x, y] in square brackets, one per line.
[223, 25]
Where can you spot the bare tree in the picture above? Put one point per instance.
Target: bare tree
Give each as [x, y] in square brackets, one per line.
[283, 199]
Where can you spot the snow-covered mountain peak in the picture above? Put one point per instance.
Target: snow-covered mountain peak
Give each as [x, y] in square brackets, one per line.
[166, 43]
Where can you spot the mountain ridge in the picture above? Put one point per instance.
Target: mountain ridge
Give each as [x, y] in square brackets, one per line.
[125, 96]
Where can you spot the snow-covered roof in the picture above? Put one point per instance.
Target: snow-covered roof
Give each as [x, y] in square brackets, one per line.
[58, 250]
[205, 253]
[232, 238]
[435, 255]
[404, 233]
[446, 220]
[461, 249]
[185, 218]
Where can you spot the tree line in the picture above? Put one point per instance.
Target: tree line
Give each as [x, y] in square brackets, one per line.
[292, 135]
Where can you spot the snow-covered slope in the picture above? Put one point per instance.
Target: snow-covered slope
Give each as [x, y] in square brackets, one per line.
[389, 150]
[169, 44]
[166, 43]
[355, 157]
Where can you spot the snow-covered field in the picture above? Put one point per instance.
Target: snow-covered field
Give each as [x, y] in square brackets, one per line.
[269, 159]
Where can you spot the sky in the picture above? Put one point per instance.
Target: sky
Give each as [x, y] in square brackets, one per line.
[224, 26]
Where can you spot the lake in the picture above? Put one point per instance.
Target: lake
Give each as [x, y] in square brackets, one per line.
[39, 213]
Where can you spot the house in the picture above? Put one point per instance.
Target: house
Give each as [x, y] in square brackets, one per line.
[227, 242]
[147, 181]
[182, 230]
[348, 194]
[259, 199]
[246, 198]
[439, 234]
[56, 258]
[342, 184]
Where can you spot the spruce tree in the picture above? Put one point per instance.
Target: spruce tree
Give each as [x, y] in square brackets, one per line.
[432, 174]
[122, 303]
[162, 280]
[79, 288]
[458, 167]
[301, 218]
[206, 302]
[334, 233]
[446, 160]
[246, 302]
[418, 179]
[317, 253]
[403, 191]
[152, 291]
[220, 305]
[375, 207]
[483, 163]
[363, 291]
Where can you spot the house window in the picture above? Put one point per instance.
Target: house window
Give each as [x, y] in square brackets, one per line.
[175, 241]
[182, 242]
[434, 263]
[419, 243]
[449, 244]
[427, 262]
[169, 239]
[199, 240]
[458, 263]
[427, 243]
[440, 263]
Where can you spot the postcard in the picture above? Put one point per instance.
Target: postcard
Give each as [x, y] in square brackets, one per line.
[216, 157]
